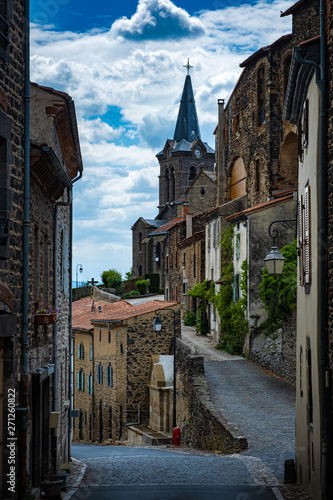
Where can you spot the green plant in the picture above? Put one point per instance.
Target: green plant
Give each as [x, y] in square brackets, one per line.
[161, 291]
[142, 286]
[129, 274]
[133, 293]
[205, 294]
[190, 319]
[278, 293]
[112, 279]
[233, 322]
[42, 311]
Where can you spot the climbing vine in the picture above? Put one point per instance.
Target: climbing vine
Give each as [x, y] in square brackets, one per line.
[278, 293]
[232, 314]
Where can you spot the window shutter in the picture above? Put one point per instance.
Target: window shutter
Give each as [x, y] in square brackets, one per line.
[82, 350]
[300, 240]
[307, 236]
[88, 384]
[78, 351]
[98, 381]
[91, 384]
[78, 380]
[110, 376]
[82, 381]
[107, 375]
[237, 246]
[101, 374]
[91, 353]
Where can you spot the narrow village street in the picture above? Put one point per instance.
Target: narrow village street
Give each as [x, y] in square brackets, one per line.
[262, 406]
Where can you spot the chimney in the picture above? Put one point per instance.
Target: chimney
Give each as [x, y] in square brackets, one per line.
[188, 225]
[220, 160]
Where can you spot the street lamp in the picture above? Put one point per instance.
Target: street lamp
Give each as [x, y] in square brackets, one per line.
[81, 270]
[157, 324]
[274, 260]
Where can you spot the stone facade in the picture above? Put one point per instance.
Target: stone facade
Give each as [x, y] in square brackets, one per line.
[123, 343]
[201, 194]
[202, 426]
[34, 364]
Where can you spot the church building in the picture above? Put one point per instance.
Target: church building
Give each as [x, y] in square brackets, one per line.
[181, 160]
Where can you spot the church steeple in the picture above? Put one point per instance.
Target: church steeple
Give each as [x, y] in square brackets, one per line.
[187, 126]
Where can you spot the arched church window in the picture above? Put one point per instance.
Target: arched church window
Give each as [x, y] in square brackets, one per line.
[192, 174]
[140, 270]
[167, 184]
[140, 242]
[158, 254]
[238, 179]
[172, 184]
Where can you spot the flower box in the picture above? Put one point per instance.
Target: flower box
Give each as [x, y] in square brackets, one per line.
[42, 319]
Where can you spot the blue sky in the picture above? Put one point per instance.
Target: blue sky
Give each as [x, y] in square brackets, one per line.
[122, 63]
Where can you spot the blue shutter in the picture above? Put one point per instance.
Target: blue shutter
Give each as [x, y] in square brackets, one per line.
[88, 385]
[82, 351]
[101, 373]
[98, 381]
[107, 375]
[91, 353]
[78, 380]
[237, 246]
[91, 384]
[82, 381]
[78, 351]
[110, 375]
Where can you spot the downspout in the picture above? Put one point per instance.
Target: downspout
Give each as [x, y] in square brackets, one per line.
[24, 389]
[321, 82]
[93, 392]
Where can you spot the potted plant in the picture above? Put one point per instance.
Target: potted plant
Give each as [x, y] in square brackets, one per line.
[42, 316]
[52, 488]
[53, 315]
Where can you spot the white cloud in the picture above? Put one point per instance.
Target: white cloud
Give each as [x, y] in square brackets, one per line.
[107, 69]
[157, 19]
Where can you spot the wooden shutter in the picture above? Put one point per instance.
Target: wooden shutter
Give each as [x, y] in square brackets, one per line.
[91, 353]
[82, 381]
[107, 375]
[79, 351]
[98, 381]
[300, 240]
[91, 384]
[88, 384]
[307, 236]
[78, 380]
[110, 376]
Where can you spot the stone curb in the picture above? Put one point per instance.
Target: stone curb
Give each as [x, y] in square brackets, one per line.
[80, 469]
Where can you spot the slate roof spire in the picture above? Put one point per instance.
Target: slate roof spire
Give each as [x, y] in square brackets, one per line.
[187, 126]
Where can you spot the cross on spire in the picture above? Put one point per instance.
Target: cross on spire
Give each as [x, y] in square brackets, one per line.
[188, 66]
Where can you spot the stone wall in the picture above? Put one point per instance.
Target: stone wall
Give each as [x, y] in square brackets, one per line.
[201, 425]
[276, 353]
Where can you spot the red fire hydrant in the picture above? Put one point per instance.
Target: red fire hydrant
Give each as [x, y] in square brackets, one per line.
[176, 436]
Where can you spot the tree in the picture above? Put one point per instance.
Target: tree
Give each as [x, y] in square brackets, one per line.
[129, 274]
[112, 279]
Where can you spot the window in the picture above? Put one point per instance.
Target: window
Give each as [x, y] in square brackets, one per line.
[80, 380]
[185, 287]
[158, 254]
[99, 374]
[80, 351]
[194, 266]
[90, 383]
[257, 174]
[4, 26]
[304, 239]
[109, 375]
[184, 259]
[238, 246]
[109, 337]
[208, 238]
[236, 288]
[140, 242]
[172, 184]
[238, 179]
[167, 184]
[192, 174]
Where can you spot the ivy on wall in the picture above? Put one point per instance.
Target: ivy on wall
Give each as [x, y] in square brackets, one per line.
[278, 293]
[232, 314]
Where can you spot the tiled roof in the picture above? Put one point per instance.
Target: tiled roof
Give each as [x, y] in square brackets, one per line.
[168, 225]
[83, 317]
[191, 239]
[261, 206]
[81, 311]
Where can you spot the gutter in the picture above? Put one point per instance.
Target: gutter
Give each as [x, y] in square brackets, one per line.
[24, 389]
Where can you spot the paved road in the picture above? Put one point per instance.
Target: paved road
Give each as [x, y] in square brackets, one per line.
[261, 405]
[137, 473]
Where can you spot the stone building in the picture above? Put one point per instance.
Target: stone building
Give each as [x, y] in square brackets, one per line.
[40, 160]
[113, 346]
[181, 161]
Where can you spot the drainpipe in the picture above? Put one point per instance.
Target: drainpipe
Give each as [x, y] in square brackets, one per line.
[324, 370]
[22, 446]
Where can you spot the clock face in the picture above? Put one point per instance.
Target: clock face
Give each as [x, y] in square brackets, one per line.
[197, 153]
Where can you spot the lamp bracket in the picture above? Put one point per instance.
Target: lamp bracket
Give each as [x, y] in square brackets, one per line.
[285, 222]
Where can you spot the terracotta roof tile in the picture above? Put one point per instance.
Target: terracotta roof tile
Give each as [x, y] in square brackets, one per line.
[168, 225]
[83, 316]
